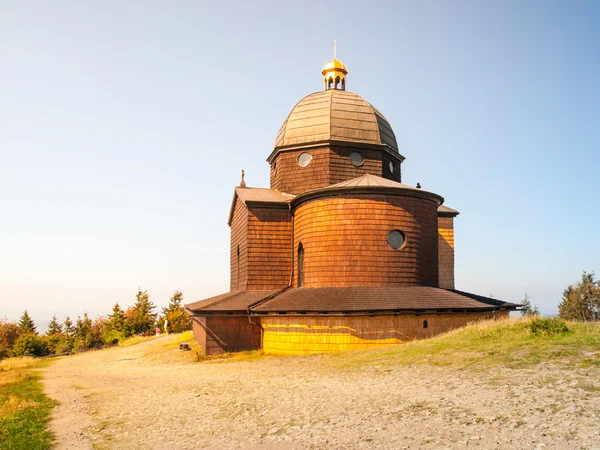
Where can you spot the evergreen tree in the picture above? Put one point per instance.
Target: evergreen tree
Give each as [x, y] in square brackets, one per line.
[528, 308]
[116, 327]
[26, 324]
[68, 327]
[178, 319]
[67, 344]
[54, 337]
[141, 317]
[83, 333]
[116, 320]
[54, 327]
[582, 300]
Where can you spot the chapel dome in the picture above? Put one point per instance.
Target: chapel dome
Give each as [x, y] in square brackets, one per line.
[335, 115]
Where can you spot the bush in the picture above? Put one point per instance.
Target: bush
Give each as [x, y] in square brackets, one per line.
[547, 327]
[53, 342]
[67, 345]
[9, 333]
[30, 345]
[113, 337]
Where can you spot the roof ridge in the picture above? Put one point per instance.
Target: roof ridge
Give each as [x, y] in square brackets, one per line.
[374, 110]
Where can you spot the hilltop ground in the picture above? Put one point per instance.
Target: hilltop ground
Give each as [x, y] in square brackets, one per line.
[422, 395]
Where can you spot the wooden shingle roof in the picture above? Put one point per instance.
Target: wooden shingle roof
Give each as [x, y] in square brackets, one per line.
[270, 198]
[230, 302]
[349, 300]
[335, 115]
[355, 299]
[445, 211]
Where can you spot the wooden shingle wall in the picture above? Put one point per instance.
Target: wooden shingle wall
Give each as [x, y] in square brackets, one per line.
[446, 252]
[330, 165]
[376, 162]
[287, 176]
[345, 241]
[305, 335]
[239, 238]
[269, 248]
[220, 334]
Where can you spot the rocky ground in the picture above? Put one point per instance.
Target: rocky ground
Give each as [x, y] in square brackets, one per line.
[135, 397]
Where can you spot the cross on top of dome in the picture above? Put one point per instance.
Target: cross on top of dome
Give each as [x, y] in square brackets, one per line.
[334, 72]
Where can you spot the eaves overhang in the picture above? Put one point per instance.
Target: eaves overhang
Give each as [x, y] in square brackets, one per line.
[337, 143]
[354, 190]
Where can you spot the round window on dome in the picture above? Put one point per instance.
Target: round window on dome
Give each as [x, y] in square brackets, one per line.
[304, 159]
[391, 167]
[356, 159]
[396, 239]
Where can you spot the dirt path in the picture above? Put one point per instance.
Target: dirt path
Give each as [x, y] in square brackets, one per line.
[126, 398]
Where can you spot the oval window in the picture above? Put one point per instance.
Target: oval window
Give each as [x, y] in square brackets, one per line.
[396, 239]
[304, 159]
[391, 167]
[356, 159]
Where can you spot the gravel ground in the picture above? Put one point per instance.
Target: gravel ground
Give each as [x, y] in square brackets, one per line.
[128, 398]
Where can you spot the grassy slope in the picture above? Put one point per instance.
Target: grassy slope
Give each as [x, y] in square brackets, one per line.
[503, 342]
[24, 409]
[508, 342]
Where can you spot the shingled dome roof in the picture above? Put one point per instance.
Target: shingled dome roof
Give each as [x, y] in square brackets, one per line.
[335, 115]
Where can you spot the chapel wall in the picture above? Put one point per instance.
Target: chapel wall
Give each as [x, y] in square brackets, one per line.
[375, 163]
[345, 241]
[287, 176]
[446, 252]
[296, 335]
[220, 334]
[269, 248]
[239, 238]
[329, 165]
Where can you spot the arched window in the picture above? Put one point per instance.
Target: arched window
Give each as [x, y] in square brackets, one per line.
[300, 265]
[237, 276]
[337, 82]
[343, 84]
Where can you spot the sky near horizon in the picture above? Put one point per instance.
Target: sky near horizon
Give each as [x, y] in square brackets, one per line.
[124, 127]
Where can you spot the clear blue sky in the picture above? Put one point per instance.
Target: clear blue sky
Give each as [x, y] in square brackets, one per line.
[124, 127]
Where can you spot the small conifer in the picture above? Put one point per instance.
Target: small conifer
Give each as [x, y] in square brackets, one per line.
[54, 327]
[528, 308]
[26, 324]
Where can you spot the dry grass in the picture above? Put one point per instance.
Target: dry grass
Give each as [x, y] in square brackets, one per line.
[169, 352]
[12, 364]
[507, 342]
[134, 340]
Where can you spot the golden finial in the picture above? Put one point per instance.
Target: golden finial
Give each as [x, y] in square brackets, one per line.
[242, 183]
[335, 72]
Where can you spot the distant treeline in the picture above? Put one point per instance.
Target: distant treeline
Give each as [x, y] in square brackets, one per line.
[23, 339]
[580, 301]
